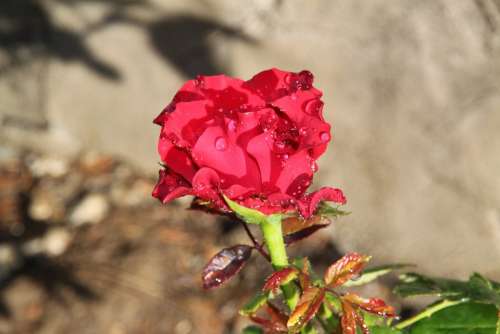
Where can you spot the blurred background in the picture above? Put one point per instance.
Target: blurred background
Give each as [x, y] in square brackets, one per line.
[412, 89]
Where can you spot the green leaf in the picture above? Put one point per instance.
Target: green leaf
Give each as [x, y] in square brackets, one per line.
[412, 284]
[329, 320]
[482, 290]
[254, 304]
[384, 330]
[466, 318]
[372, 274]
[252, 330]
[476, 289]
[334, 302]
[429, 311]
[251, 216]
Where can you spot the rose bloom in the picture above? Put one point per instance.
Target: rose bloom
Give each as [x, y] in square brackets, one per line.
[254, 141]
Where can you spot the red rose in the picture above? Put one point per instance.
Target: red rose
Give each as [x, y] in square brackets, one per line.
[254, 141]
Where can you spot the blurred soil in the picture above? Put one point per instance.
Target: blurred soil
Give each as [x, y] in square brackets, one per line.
[85, 249]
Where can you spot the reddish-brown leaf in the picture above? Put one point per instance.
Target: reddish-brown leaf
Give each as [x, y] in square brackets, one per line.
[349, 266]
[361, 323]
[372, 305]
[309, 303]
[280, 277]
[293, 224]
[224, 265]
[296, 228]
[276, 315]
[305, 274]
[348, 319]
[269, 326]
[302, 234]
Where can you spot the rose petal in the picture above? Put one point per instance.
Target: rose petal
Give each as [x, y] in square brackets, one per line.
[227, 94]
[236, 191]
[187, 93]
[269, 84]
[206, 184]
[170, 186]
[214, 149]
[176, 159]
[270, 165]
[303, 108]
[218, 82]
[311, 201]
[247, 126]
[296, 174]
[264, 206]
[184, 129]
[294, 105]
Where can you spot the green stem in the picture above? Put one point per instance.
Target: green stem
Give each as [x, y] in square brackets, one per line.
[273, 237]
[428, 312]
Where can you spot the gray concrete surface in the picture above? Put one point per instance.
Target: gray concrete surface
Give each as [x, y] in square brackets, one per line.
[412, 89]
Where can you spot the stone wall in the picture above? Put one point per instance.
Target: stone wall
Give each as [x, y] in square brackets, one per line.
[412, 89]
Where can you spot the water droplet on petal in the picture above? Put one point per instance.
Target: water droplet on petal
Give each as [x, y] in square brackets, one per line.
[285, 156]
[324, 136]
[293, 96]
[231, 125]
[303, 131]
[280, 145]
[199, 81]
[220, 143]
[314, 107]
[306, 79]
[299, 81]
[314, 167]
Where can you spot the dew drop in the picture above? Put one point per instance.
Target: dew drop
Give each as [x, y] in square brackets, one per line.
[199, 81]
[231, 125]
[220, 143]
[324, 136]
[314, 167]
[285, 156]
[303, 131]
[306, 79]
[314, 107]
[280, 145]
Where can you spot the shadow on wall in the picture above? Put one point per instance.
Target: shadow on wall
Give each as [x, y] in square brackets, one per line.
[26, 25]
[184, 42]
